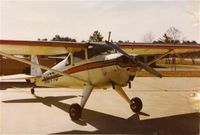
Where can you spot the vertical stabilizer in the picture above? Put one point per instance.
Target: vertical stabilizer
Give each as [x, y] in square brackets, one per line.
[35, 71]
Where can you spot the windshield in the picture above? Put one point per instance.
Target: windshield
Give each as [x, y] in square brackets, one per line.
[99, 49]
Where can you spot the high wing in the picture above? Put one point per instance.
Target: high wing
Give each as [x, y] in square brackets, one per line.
[39, 47]
[57, 47]
[152, 49]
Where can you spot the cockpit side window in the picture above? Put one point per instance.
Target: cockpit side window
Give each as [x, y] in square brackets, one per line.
[80, 55]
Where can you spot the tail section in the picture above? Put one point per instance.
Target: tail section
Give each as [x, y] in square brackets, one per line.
[35, 71]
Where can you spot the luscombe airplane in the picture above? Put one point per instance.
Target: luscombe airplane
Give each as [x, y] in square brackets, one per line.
[90, 65]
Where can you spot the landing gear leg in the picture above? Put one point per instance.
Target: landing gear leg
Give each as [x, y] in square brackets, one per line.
[75, 110]
[33, 90]
[135, 103]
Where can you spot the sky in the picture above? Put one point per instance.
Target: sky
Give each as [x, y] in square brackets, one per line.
[126, 19]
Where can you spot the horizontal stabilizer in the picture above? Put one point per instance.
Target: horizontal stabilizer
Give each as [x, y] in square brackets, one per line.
[17, 77]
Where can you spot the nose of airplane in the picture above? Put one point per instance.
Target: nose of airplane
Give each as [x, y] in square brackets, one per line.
[132, 70]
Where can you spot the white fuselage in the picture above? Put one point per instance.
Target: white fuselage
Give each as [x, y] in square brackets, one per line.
[100, 71]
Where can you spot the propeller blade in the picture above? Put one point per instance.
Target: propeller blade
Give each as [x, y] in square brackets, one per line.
[148, 68]
[135, 60]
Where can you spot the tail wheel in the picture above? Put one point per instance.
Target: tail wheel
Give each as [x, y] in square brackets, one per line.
[32, 90]
[136, 104]
[75, 111]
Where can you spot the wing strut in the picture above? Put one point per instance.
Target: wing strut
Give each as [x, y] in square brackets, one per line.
[160, 57]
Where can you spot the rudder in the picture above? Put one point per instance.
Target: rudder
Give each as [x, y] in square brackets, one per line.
[35, 71]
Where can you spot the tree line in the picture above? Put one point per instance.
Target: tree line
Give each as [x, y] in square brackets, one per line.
[172, 35]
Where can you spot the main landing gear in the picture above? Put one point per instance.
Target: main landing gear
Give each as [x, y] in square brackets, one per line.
[75, 110]
[135, 103]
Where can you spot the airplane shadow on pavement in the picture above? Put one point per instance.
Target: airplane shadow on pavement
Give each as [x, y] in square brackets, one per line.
[6, 85]
[184, 124]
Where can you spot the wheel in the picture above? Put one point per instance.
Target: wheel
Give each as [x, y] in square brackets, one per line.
[136, 104]
[75, 111]
[32, 91]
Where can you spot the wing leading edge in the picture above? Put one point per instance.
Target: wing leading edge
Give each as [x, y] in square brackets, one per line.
[57, 48]
[152, 49]
[39, 47]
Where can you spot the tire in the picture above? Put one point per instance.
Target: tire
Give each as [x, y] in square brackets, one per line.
[75, 111]
[136, 104]
[32, 91]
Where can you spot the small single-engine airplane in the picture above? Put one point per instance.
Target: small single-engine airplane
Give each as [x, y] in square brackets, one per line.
[90, 65]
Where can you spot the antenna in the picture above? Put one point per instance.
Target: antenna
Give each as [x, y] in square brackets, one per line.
[109, 36]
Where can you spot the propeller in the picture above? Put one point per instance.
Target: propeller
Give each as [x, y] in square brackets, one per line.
[135, 60]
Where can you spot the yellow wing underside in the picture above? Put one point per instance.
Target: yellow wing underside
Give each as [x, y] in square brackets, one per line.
[39, 47]
[57, 48]
[152, 49]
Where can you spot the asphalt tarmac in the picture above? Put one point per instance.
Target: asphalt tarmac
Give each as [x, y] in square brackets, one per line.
[171, 107]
